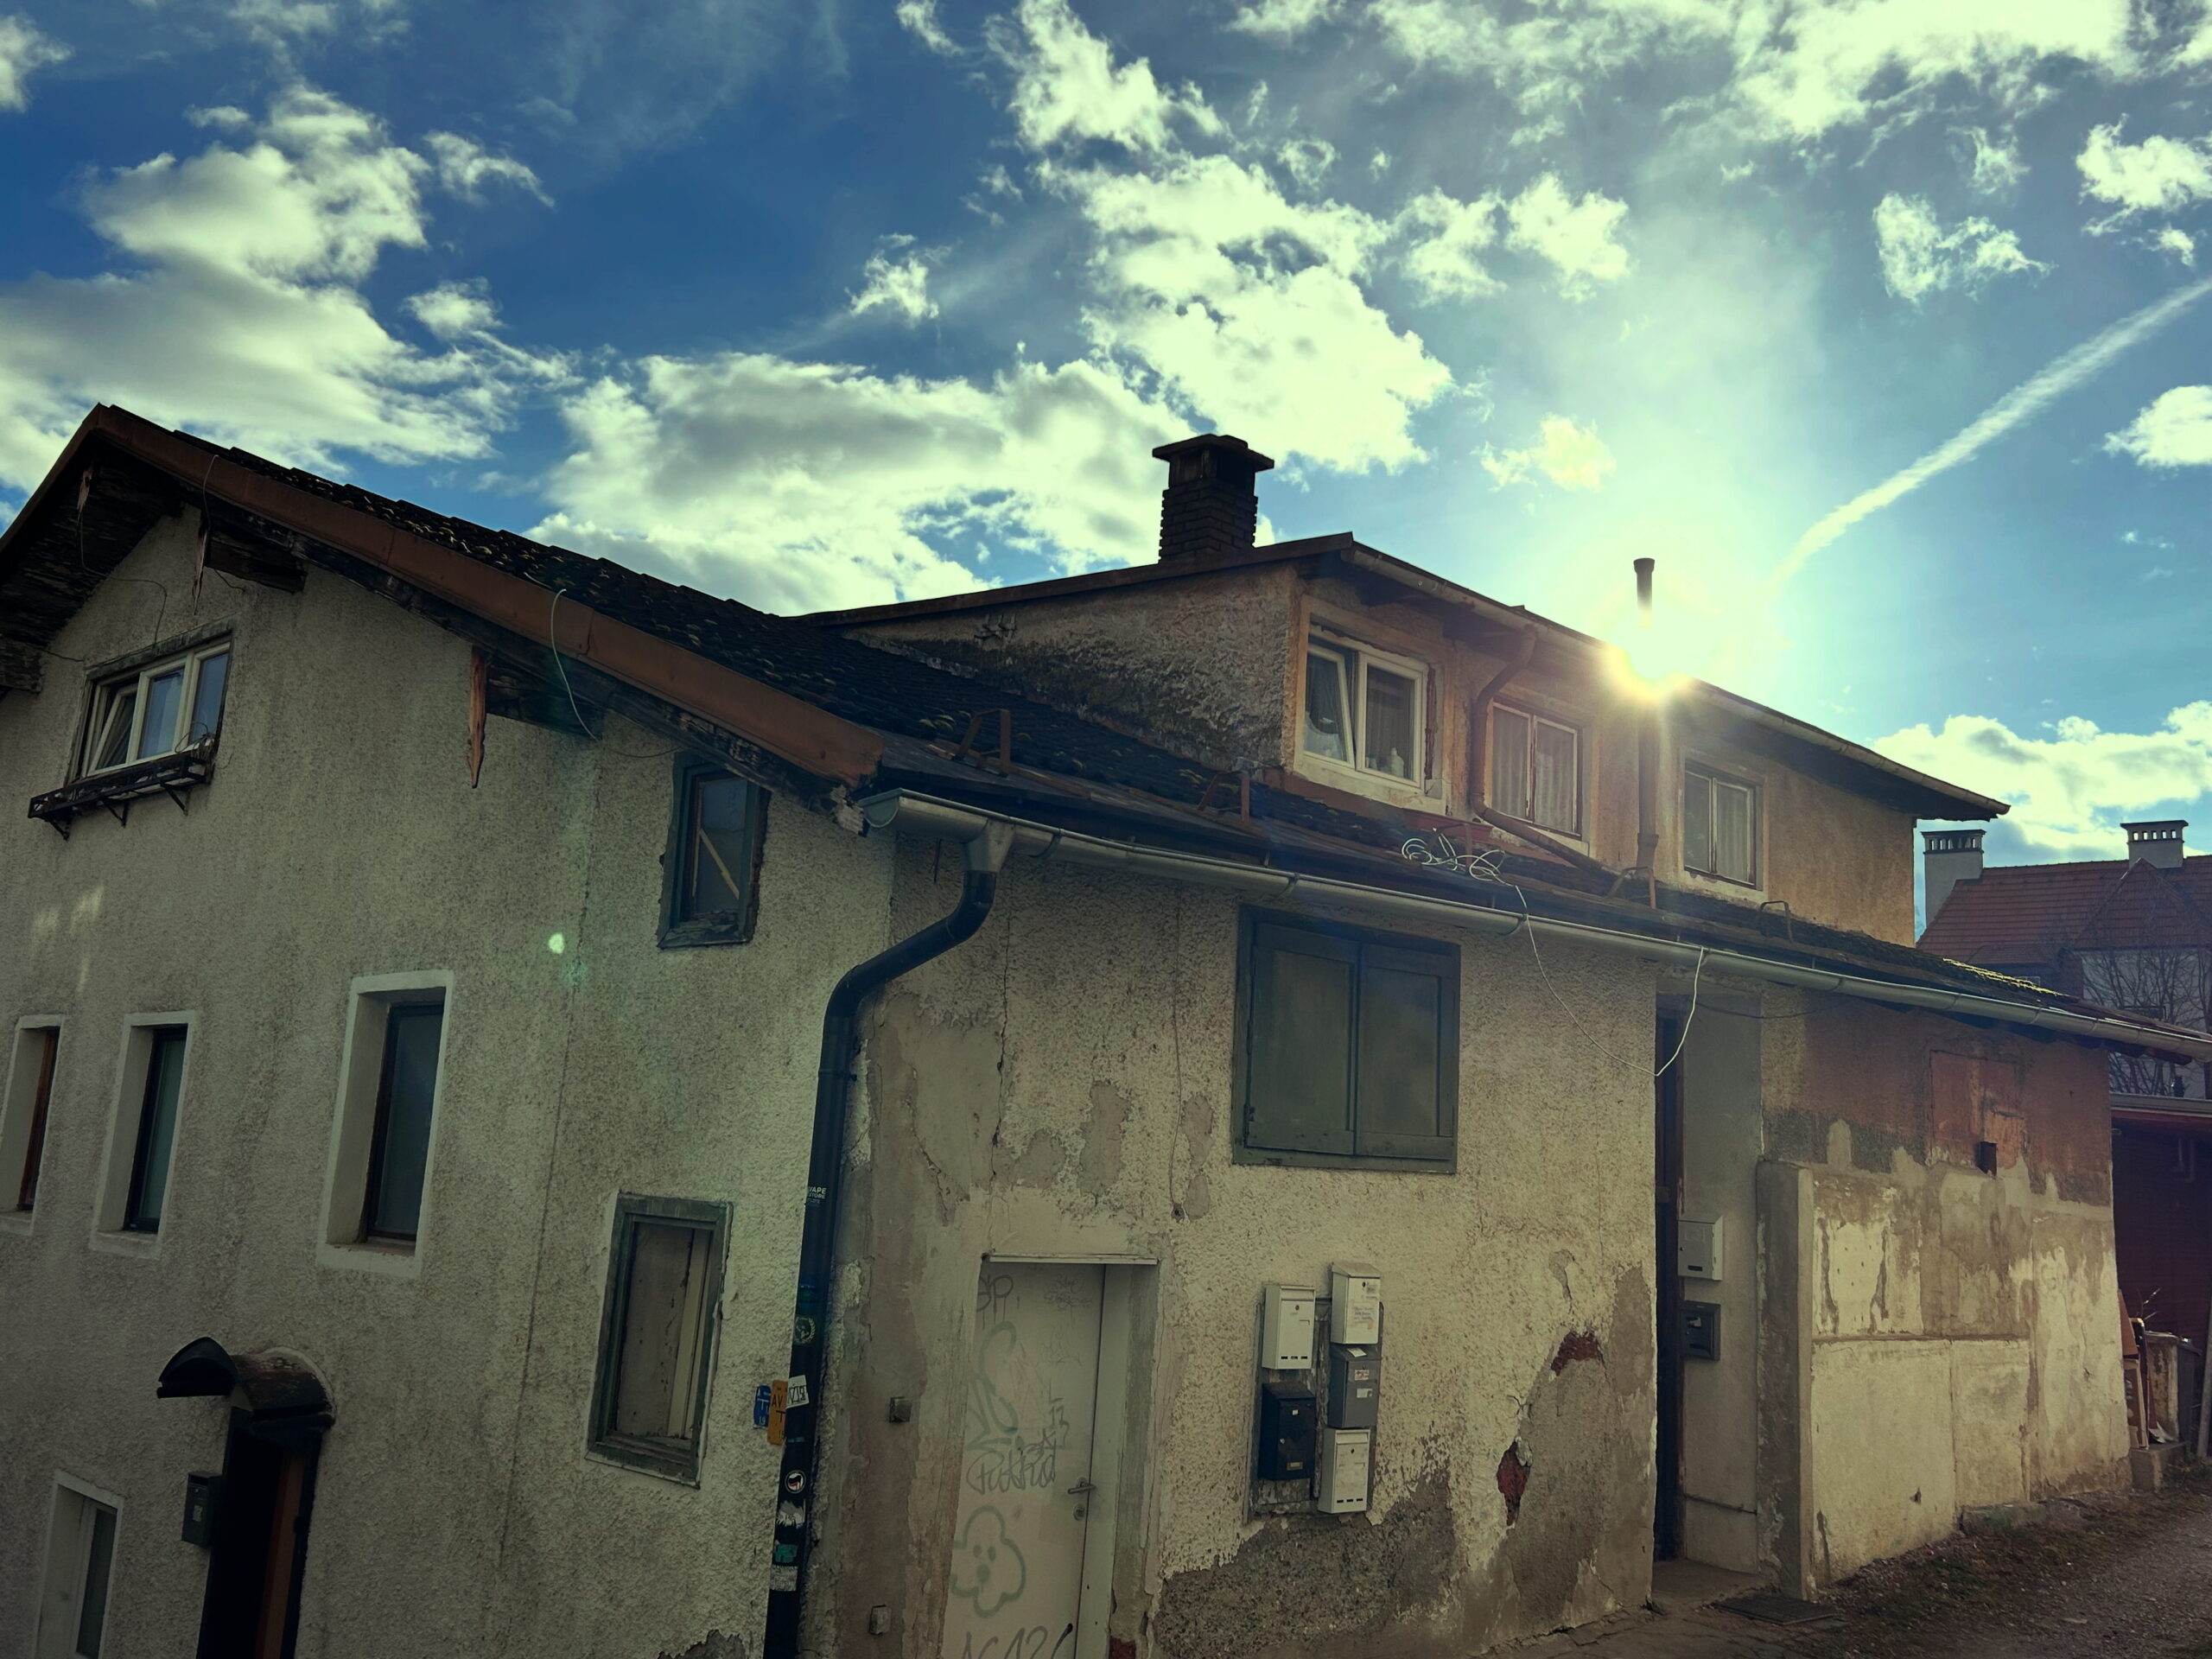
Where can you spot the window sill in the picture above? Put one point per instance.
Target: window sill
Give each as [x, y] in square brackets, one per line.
[176, 775]
[619, 1454]
[18, 1223]
[1266, 1155]
[387, 1256]
[720, 928]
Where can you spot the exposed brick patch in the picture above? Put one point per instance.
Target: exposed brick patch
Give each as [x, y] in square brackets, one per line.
[1121, 1647]
[1582, 1344]
[1512, 1480]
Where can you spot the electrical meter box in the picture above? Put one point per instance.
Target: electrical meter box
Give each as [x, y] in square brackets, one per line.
[1287, 1423]
[1355, 1385]
[1346, 1456]
[1355, 1303]
[1286, 1327]
[1697, 1249]
[203, 1496]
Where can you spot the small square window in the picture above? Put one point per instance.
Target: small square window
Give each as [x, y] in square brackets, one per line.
[1719, 826]
[710, 891]
[175, 704]
[1537, 770]
[1366, 710]
[1350, 1046]
[23, 1130]
[79, 1572]
[656, 1346]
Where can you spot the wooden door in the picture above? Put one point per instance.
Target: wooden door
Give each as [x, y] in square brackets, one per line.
[1016, 1574]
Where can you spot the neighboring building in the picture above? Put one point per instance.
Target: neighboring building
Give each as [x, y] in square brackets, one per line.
[436, 1064]
[2134, 933]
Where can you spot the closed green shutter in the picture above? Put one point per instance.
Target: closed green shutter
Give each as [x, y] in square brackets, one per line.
[1298, 1074]
[1406, 1077]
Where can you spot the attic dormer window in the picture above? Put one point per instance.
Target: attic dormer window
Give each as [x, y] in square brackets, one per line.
[1364, 709]
[166, 706]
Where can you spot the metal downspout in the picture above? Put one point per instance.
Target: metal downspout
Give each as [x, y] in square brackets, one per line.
[986, 852]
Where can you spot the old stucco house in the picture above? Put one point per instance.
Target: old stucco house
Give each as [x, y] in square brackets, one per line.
[548, 1114]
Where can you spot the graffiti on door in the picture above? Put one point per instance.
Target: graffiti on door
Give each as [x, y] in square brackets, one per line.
[1002, 1455]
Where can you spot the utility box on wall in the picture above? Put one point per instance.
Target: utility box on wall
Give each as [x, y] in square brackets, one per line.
[1286, 1327]
[1347, 1459]
[1355, 1303]
[1355, 1386]
[1287, 1428]
[203, 1494]
[1697, 1249]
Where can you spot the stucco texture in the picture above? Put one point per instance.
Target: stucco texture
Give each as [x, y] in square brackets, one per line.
[1063, 1086]
[457, 1510]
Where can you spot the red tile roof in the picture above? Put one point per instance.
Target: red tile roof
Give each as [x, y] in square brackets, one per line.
[2025, 915]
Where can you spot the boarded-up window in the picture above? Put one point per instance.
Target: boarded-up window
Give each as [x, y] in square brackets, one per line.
[1351, 1044]
[656, 1344]
[1974, 1111]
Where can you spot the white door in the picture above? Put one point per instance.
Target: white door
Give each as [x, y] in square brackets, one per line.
[1025, 1468]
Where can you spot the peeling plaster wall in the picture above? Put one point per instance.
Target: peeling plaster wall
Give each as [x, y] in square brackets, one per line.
[1959, 1340]
[457, 1510]
[1062, 1085]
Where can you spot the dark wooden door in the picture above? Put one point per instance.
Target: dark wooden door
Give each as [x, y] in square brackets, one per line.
[1667, 1190]
[259, 1554]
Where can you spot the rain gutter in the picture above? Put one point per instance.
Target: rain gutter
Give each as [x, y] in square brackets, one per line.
[926, 815]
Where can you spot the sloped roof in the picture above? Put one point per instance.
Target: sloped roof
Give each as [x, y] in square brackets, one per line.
[2026, 915]
[726, 678]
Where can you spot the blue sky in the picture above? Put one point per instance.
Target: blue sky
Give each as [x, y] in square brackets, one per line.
[1875, 321]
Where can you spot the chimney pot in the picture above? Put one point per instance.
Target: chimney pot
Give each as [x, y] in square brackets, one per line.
[1209, 508]
[2157, 842]
[1948, 857]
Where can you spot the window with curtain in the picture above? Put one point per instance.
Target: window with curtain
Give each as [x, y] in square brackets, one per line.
[1366, 710]
[1537, 770]
[1719, 826]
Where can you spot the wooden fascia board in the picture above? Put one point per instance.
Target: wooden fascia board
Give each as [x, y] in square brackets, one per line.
[809, 738]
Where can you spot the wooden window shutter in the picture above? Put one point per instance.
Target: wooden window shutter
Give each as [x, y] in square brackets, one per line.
[1407, 1080]
[1298, 1083]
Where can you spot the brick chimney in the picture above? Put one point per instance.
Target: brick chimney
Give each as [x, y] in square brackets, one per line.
[1947, 858]
[1209, 507]
[2157, 842]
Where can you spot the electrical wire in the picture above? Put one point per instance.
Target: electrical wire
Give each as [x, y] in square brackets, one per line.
[1528, 932]
[575, 707]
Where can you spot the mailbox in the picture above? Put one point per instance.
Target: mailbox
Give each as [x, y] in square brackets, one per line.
[1286, 1426]
[203, 1498]
[1355, 1385]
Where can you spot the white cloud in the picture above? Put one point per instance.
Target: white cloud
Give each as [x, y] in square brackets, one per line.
[1578, 238]
[2070, 790]
[455, 310]
[2171, 239]
[2159, 176]
[243, 320]
[465, 167]
[1574, 457]
[1283, 20]
[1248, 308]
[1069, 89]
[813, 485]
[1920, 258]
[2175, 430]
[1996, 168]
[1446, 238]
[1796, 69]
[1307, 160]
[24, 50]
[919, 19]
[898, 281]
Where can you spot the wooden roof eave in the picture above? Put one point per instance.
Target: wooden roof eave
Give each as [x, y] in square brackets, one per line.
[816, 742]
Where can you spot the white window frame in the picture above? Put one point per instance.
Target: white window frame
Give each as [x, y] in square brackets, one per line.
[61, 1577]
[108, 691]
[369, 1002]
[1536, 718]
[1695, 770]
[16, 1112]
[1355, 660]
[113, 1193]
